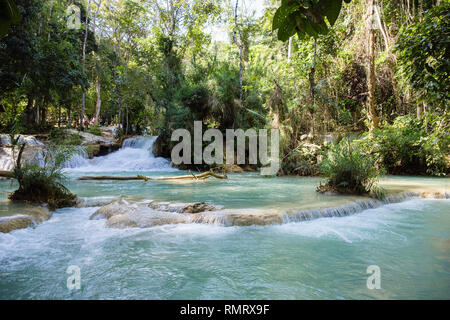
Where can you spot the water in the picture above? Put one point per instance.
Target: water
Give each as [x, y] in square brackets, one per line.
[135, 155]
[324, 258]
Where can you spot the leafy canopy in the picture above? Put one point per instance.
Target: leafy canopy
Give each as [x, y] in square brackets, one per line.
[305, 17]
[424, 55]
[8, 14]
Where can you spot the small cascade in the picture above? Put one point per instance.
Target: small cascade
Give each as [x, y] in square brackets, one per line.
[28, 140]
[32, 151]
[346, 210]
[149, 213]
[135, 155]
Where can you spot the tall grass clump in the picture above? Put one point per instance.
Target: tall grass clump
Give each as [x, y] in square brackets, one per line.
[42, 180]
[349, 169]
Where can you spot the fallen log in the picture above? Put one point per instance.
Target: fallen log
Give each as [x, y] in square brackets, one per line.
[6, 174]
[138, 177]
[192, 176]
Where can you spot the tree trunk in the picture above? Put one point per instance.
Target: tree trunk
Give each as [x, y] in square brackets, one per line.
[83, 66]
[312, 85]
[239, 44]
[29, 117]
[99, 102]
[38, 109]
[290, 49]
[371, 71]
[420, 111]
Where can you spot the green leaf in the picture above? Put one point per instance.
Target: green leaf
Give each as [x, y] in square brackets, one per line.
[287, 29]
[281, 15]
[8, 14]
[331, 9]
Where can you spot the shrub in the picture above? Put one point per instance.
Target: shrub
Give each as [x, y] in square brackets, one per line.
[43, 183]
[349, 170]
[95, 130]
[301, 161]
[412, 146]
[60, 136]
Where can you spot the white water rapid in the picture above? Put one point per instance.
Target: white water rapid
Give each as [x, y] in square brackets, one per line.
[135, 155]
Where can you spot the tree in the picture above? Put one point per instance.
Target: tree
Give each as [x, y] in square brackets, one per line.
[424, 55]
[374, 121]
[306, 19]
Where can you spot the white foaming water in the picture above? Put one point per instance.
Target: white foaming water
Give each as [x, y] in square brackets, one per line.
[28, 140]
[135, 155]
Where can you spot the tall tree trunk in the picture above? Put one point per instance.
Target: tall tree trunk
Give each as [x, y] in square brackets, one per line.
[239, 44]
[420, 109]
[29, 117]
[83, 66]
[312, 85]
[99, 102]
[97, 85]
[38, 112]
[371, 71]
[290, 49]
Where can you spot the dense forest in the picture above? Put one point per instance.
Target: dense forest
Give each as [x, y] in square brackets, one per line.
[373, 70]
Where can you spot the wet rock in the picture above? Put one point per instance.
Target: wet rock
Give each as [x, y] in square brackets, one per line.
[32, 217]
[145, 214]
[112, 209]
[20, 221]
[144, 219]
[194, 207]
[253, 219]
[91, 139]
[435, 195]
[197, 207]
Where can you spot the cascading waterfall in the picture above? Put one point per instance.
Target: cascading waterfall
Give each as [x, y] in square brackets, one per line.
[352, 208]
[7, 160]
[135, 155]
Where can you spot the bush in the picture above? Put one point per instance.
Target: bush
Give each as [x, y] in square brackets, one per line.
[60, 136]
[411, 146]
[301, 161]
[349, 170]
[95, 130]
[43, 183]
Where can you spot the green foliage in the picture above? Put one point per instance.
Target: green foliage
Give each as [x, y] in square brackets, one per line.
[301, 161]
[305, 17]
[411, 146]
[95, 130]
[350, 169]
[43, 182]
[62, 137]
[8, 14]
[424, 55]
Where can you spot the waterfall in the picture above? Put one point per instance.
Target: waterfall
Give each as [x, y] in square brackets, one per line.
[28, 140]
[352, 208]
[135, 155]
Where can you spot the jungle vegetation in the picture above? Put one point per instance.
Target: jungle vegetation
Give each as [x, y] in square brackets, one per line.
[372, 73]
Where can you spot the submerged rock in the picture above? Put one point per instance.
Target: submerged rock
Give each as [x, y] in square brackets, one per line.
[149, 213]
[435, 195]
[194, 207]
[31, 217]
[253, 219]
